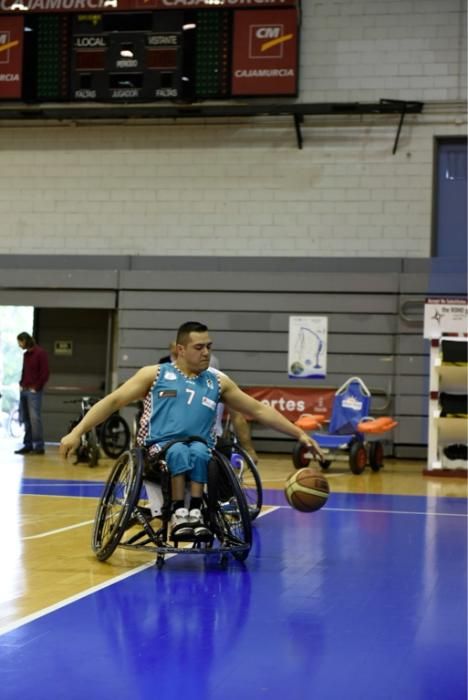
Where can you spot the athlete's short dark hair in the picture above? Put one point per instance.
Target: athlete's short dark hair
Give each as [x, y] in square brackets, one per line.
[187, 328]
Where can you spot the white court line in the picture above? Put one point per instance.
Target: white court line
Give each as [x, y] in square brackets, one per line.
[393, 512]
[72, 599]
[51, 482]
[55, 532]
[89, 591]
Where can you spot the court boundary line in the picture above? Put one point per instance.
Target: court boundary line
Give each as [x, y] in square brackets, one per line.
[391, 512]
[88, 522]
[72, 599]
[55, 532]
[94, 589]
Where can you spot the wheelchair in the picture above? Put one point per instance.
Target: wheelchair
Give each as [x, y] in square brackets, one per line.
[124, 518]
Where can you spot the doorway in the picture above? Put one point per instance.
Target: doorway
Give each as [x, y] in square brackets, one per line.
[13, 320]
[449, 238]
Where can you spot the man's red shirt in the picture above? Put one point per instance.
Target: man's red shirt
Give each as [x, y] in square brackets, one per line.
[35, 368]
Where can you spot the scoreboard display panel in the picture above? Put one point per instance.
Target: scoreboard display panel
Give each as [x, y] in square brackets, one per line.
[147, 50]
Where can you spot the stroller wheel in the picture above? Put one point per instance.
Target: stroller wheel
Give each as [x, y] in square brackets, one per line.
[357, 457]
[300, 458]
[376, 456]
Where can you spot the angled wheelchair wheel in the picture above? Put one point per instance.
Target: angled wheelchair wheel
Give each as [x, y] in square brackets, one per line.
[228, 511]
[92, 448]
[248, 477]
[300, 460]
[114, 436]
[357, 457]
[117, 503]
[376, 456]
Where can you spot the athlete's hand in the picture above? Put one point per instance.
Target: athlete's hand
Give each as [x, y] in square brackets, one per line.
[69, 444]
[313, 446]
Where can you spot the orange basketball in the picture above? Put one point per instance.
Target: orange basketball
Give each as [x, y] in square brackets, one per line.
[305, 490]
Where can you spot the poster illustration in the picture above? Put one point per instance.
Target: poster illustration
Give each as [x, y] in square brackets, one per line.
[307, 355]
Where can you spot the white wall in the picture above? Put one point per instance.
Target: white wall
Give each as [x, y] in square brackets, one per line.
[368, 49]
[243, 187]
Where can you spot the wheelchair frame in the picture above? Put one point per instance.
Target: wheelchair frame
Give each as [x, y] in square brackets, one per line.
[246, 473]
[123, 518]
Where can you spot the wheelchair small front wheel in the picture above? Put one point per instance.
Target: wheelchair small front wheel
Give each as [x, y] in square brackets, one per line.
[117, 503]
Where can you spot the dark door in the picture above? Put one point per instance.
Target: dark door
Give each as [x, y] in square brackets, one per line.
[450, 234]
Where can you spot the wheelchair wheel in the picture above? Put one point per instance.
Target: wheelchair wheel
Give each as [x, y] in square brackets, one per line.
[92, 449]
[117, 503]
[248, 477]
[299, 455]
[114, 436]
[376, 456]
[357, 457]
[227, 507]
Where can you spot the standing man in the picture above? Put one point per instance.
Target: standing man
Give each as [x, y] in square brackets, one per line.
[33, 379]
[180, 399]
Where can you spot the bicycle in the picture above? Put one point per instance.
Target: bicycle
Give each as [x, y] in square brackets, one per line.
[14, 424]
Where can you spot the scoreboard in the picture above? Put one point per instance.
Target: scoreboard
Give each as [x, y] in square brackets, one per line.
[147, 50]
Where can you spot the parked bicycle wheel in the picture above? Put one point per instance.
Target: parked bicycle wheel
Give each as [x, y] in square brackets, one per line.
[114, 436]
[15, 427]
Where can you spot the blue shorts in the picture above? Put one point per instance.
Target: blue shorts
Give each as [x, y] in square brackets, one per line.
[189, 459]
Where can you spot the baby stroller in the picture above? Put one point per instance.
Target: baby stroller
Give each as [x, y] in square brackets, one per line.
[350, 424]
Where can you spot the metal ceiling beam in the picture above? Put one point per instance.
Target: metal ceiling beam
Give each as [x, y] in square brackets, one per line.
[77, 113]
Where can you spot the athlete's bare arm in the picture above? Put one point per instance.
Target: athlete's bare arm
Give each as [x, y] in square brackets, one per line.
[235, 398]
[133, 389]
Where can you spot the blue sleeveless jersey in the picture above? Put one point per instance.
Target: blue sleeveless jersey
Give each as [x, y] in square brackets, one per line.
[181, 406]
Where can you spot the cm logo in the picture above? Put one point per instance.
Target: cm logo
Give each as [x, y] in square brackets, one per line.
[5, 46]
[267, 40]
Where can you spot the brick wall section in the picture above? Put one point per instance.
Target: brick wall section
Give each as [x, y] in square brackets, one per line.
[384, 48]
[243, 188]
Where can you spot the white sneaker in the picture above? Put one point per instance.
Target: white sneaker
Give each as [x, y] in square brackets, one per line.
[180, 524]
[199, 528]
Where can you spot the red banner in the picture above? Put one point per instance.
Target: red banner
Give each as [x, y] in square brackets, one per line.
[11, 56]
[293, 401]
[264, 59]
[125, 5]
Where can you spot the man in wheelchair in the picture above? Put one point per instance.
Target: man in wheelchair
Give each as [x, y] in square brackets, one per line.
[180, 400]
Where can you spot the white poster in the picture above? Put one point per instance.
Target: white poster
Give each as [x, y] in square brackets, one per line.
[307, 356]
[445, 315]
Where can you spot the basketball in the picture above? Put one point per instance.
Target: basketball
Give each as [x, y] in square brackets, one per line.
[305, 490]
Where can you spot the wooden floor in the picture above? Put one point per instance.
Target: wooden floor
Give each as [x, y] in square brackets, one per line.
[47, 556]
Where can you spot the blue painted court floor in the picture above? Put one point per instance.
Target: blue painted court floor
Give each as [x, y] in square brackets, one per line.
[363, 599]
